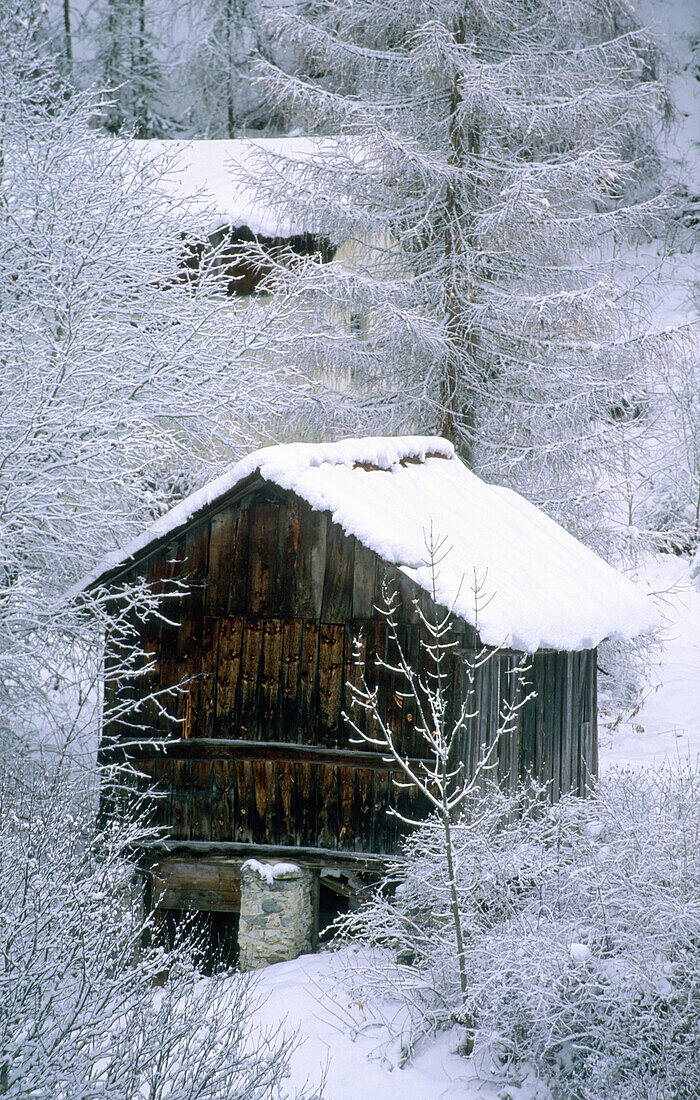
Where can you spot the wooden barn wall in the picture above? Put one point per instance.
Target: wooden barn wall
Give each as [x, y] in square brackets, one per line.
[262, 648]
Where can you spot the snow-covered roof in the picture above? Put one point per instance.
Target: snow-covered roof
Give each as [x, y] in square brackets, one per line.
[541, 587]
[201, 177]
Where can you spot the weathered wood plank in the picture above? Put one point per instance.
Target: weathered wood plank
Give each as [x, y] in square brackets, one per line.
[180, 808]
[205, 748]
[557, 661]
[264, 794]
[305, 803]
[326, 783]
[352, 678]
[228, 670]
[249, 693]
[270, 677]
[580, 668]
[201, 792]
[377, 677]
[347, 825]
[338, 579]
[222, 542]
[289, 681]
[223, 803]
[363, 582]
[528, 730]
[263, 560]
[289, 536]
[205, 719]
[311, 563]
[569, 742]
[238, 591]
[245, 818]
[330, 684]
[171, 607]
[305, 854]
[384, 584]
[286, 787]
[147, 713]
[364, 839]
[210, 885]
[162, 803]
[514, 698]
[482, 696]
[539, 673]
[190, 638]
[547, 774]
[308, 681]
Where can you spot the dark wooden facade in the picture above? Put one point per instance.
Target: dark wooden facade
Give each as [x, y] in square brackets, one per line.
[227, 253]
[256, 757]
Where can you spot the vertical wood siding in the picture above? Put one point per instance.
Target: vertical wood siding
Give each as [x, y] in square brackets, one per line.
[261, 646]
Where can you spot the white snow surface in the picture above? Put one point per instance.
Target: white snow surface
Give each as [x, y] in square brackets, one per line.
[201, 177]
[537, 585]
[356, 1045]
[666, 727]
[270, 871]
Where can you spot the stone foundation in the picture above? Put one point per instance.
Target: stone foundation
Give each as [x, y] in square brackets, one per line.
[276, 913]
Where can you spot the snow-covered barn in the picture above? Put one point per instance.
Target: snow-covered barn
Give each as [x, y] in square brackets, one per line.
[215, 191]
[283, 559]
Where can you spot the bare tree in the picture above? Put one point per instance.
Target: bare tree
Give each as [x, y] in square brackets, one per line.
[441, 777]
[87, 1009]
[122, 385]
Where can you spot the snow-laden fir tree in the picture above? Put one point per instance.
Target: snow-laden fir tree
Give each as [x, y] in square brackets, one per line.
[490, 157]
[128, 65]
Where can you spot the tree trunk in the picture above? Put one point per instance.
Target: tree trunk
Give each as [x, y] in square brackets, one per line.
[67, 38]
[457, 410]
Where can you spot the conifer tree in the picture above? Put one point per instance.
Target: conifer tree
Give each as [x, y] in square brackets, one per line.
[491, 157]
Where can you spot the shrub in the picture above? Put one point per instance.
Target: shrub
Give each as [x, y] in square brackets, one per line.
[583, 935]
[87, 1012]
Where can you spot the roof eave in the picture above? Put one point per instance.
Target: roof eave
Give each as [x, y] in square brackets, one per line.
[236, 492]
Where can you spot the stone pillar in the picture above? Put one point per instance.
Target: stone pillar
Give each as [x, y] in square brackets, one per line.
[276, 913]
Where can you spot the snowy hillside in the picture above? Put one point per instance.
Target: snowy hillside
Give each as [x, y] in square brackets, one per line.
[667, 725]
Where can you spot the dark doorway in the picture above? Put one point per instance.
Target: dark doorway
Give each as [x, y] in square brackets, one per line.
[214, 936]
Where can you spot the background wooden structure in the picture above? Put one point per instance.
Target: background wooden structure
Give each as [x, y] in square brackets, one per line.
[226, 253]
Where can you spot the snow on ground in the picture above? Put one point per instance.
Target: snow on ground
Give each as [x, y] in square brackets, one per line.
[341, 1038]
[667, 725]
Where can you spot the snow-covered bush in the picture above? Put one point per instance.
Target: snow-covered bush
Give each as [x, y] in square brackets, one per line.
[86, 1010]
[583, 929]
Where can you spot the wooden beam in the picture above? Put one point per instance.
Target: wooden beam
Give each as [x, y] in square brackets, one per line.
[210, 885]
[307, 857]
[219, 748]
